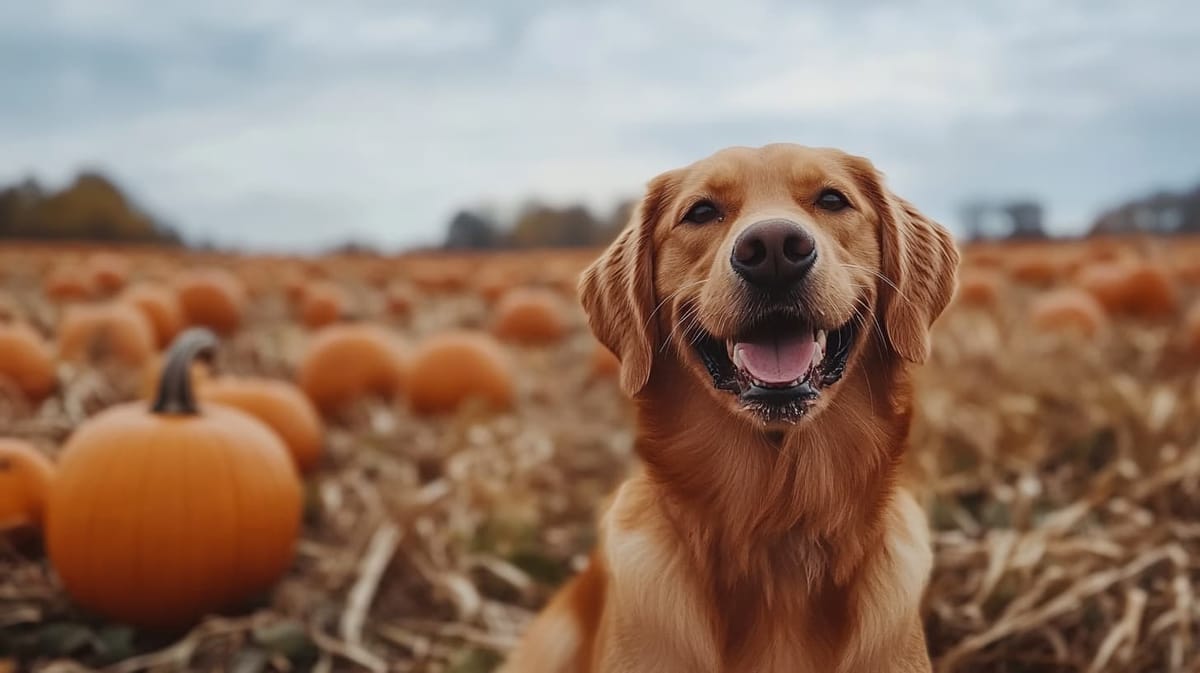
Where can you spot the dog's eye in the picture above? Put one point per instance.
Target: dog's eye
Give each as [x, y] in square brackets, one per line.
[832, 200]
[703, 213]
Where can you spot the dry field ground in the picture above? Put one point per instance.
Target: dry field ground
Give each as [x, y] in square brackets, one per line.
[1057, 447]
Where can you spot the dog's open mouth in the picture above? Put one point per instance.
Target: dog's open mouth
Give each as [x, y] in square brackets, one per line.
[779, 365]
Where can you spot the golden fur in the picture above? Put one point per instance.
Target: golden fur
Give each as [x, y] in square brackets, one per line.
[741, 544]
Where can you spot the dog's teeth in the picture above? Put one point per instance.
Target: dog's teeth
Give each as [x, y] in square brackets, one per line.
[821, 336]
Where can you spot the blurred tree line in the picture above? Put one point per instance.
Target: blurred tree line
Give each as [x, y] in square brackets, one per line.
[91, 208]
[1159, 213]
[1162, 213]
[1015, 219]
[537, 225]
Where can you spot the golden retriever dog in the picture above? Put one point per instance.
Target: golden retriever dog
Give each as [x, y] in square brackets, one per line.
[767, 305]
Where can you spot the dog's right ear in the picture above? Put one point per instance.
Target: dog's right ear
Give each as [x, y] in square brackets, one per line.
[617, 290]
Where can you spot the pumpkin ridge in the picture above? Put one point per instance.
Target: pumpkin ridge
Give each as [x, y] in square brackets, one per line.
[93, 578]
[144, 546]
[238, 553]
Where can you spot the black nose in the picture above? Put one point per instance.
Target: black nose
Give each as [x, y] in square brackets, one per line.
[773, 254]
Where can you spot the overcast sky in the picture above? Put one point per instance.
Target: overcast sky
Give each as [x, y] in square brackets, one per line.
[294, 124]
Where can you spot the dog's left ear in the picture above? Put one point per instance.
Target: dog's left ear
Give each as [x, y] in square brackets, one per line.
[919, 262]
[617, 290]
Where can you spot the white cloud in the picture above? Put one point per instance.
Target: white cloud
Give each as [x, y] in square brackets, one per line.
[335, 30]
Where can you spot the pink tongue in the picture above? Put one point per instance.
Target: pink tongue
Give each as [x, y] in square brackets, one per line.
[776, 360]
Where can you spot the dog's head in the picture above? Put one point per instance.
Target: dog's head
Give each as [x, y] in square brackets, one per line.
[765, 273]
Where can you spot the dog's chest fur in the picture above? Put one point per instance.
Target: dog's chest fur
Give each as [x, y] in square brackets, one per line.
[779, 609]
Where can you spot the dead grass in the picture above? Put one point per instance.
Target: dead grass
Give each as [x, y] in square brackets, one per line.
[1062, 478]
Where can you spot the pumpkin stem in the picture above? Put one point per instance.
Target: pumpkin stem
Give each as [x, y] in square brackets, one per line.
[175, 384]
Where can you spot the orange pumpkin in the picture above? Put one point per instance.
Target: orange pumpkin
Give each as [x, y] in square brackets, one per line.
[493, 286]
[448, 369]
[323, 304]
[1035, 268]
[159, 516]
[979, 288]
[27, 361]
[1068, 310]
[280, 405]
[25, 478]
[98, 332]
[1151, 292]
[1133, 289]
[345, 362]
[212, 298]
[108, 272]
[160, 307]
[530, 316]
[68, 283]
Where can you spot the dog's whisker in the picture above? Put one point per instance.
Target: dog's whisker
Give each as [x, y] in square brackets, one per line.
[671, 296]
[877, 274]
[675, 329]
[691, 312]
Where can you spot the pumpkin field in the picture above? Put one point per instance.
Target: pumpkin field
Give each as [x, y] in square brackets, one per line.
[358, 462]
